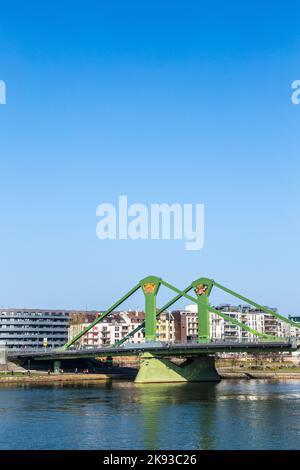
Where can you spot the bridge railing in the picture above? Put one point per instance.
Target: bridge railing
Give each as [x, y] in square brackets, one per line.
[158, 344]
[280, 339]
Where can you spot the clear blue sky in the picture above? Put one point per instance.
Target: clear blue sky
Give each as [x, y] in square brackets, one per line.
[165, 101]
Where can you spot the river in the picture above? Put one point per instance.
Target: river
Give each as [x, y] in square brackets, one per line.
[232, 414]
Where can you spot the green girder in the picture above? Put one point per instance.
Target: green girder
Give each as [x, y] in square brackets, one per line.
[223, 315]
[154, 283]
[256, 305]
[101, 317]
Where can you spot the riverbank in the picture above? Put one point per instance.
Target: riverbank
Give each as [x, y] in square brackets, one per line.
[253, 374]
[36, 378]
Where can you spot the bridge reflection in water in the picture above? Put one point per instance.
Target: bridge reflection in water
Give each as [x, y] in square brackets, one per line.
[232, 414]
[157, 409]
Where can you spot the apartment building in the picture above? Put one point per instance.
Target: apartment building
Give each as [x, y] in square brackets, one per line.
[166, 327]
[109, 331]
[33, 328]
[116, 326]
[186, 323]
[254, 318]
[295, 332]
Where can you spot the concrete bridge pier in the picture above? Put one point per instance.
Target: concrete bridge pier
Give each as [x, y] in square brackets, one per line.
[56, 366]
[154, 369]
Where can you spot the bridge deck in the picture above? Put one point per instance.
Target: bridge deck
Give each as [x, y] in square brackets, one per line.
[172, 350]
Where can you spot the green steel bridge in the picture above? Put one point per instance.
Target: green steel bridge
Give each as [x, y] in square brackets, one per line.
[155, 357]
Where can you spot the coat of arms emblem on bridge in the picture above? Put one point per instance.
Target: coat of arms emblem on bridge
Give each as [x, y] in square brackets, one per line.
[201, 289]
[149, 288]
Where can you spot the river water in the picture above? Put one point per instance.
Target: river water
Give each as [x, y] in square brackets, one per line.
[121, 415]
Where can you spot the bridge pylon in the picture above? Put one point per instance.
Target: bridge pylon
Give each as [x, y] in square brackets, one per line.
[150, 286]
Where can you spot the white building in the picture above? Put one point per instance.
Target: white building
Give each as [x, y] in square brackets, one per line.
[109, 331]
[222, 329]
